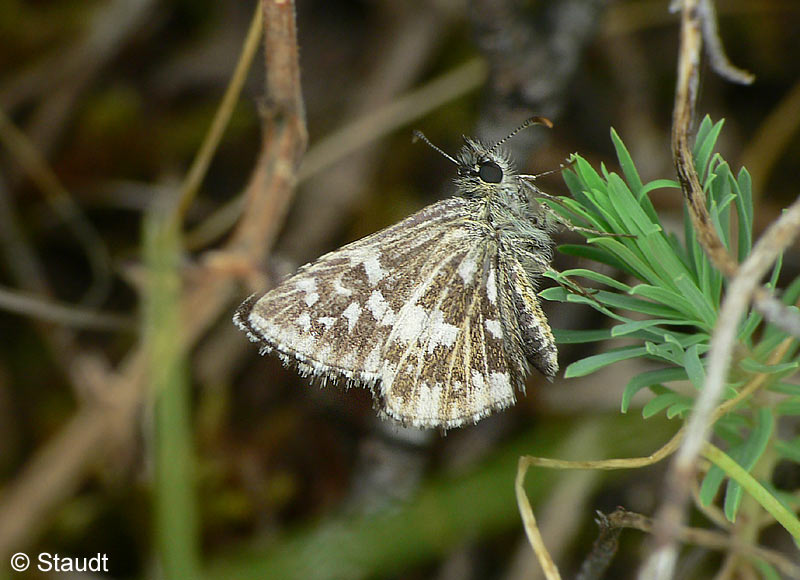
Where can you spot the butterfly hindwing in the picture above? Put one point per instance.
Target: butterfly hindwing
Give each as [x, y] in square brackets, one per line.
[454, 368]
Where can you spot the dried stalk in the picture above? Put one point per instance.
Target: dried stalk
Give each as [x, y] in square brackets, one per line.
[57, 469]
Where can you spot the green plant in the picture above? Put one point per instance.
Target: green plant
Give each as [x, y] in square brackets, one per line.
[666, 301]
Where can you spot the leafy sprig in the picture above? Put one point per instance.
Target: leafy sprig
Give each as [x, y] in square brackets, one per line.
[665, 301]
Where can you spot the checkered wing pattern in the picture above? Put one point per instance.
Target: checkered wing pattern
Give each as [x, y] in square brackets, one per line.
[415, 312]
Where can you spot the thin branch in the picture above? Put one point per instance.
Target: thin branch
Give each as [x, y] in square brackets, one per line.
[708, 539]
[661, 563]
[603, 550]
[285, 136]
[529, 523]
[193, 179]
[683, 115]
[76, 317]
[695, 26]
[740, 292]
[716, 53]
[57, 469]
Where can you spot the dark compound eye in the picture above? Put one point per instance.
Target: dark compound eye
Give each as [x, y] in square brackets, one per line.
[490, 172]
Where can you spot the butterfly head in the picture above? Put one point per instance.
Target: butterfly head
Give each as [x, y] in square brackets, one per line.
[483, 170]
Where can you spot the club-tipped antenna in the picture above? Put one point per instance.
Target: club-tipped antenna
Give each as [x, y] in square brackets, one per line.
[536, 120]
[418, 136]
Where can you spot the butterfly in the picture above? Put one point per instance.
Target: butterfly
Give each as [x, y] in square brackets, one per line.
[437, 314]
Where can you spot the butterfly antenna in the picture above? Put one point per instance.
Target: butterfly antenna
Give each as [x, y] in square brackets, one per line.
[531, 121]
[561, 168]
[418, 136]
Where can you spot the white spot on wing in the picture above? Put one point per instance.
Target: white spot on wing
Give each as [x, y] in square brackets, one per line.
[372, 266]
[429, 401]
[440, 333]
[351, 313]
[495, 328]
[467, 268]
[372, 364]
[411, 323]
[304, 321]
[380, 308]
[309, 286]
[491, 286]
[500, 386]
[327, 321]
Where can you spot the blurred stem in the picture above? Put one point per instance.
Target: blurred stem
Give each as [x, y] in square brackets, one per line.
[193, 179]
[446, 513]
[768, 501]
[175, 517]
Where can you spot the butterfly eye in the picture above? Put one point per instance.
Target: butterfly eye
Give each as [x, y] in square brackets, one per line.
[490, 172]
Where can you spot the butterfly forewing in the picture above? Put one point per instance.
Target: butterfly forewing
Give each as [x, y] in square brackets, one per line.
[333, 316]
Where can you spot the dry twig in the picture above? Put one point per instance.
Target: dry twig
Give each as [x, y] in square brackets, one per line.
[58, 468]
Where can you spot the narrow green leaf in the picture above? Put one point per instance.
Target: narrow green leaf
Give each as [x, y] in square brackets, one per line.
[711, 484]
[593, 363]
[597, 277]
[744, 206]
[589, 178]
[680, 407]
[694, 367]
[702, 131]
[686, 340]
[787, 408]
[669, 352]
[636, 325]
[175, 517]
[647, 379]
[636, 220]
[637, 305]
[572, 182]
[660, 184]
[750, 325]
[563, 336]
[660, 402]
[704, 147]
[700, 306]
[606, 209]
[634, 263]
[663, 260]
[785, 388]
[747, 455]
[554, 294]
[753, 366]
[680, 307]
[594, 254]
[776, 271]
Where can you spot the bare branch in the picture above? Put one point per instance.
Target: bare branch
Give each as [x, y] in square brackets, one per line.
[57, 469]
